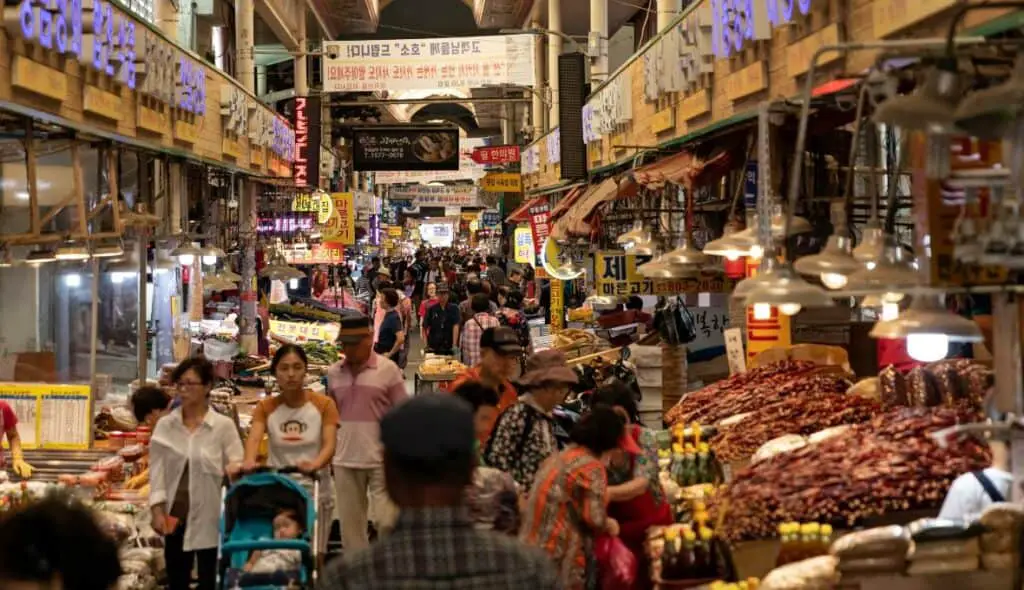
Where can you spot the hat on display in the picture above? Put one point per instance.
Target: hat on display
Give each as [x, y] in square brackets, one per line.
[354, 328]
[547, 366]
[430, 427]
[502, 340]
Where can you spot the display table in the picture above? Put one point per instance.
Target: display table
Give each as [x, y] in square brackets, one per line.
[431, 382]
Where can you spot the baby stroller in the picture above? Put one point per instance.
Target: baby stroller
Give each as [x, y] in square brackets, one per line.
[247, 514]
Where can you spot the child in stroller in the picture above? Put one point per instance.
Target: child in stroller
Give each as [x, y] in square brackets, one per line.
[286, 526]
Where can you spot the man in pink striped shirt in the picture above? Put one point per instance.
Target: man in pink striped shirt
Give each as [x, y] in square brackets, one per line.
[365, 385]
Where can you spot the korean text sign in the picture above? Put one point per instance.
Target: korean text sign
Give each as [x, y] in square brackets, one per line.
[341, 227]
[422, 195]
[428, 64]
[540, 224]
[405, 147]
[616, 274]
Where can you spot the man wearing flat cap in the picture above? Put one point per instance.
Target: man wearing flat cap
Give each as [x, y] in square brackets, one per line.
[365, 385]
[524, 435]
[428, 461]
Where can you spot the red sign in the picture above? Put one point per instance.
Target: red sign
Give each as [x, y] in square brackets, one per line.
[324, 253]
[540, 224]
[301, 166]
[498, 154]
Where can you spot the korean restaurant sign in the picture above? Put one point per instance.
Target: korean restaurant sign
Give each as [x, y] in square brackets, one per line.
[428, 64]
[496, 154]
[540, 225]
[525, 253]
[615, 274]
[736, 23]
[341, 226]
[405, 147]
[322, 253]
[465, 195]
[306, 167]
[502, 182]
[319, 203]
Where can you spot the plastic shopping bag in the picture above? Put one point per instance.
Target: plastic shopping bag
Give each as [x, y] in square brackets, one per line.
[616, 564]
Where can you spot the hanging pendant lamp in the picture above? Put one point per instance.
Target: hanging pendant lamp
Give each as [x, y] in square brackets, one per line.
[834, 262]
[930, 108]
[783, 288]
[894, 274]
[990, 112]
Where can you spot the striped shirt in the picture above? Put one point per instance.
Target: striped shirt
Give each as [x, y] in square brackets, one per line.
[363, 399]
[439, 548]
[566, 510]
[475, 327]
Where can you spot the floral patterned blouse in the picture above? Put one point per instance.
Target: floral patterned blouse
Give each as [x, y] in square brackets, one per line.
[643, 465]
[522, 439]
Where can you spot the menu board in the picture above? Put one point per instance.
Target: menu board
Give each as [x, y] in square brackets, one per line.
[406, 147]
[50, 416]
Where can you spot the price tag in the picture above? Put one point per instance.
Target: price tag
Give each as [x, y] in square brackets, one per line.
[734, 351]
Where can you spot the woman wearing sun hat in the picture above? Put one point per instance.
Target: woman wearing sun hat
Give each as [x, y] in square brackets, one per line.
[524, 435]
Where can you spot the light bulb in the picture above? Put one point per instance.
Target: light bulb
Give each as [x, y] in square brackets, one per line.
[186, 259]
[293, 284]
[927, 348]
[732, 256]
[870, 265]
[893, 297]
[890, 311]
[762, 311]
[833, 280]
[790, 308]
[209, 260]
[756, 251]
[73, 280]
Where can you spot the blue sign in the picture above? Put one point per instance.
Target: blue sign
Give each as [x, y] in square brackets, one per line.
[491, 218]
[750, 186]
[191, 86]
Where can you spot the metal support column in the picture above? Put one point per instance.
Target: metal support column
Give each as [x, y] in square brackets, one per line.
[249, 294]
[301, 81]
[538, 112]
[599, 41]
[245, 67]
[554, 50]
[142, 326]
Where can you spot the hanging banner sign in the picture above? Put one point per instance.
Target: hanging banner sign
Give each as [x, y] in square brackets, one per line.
[496, 155]
[557, 304]
[341, 227]
[468, 169]
[319, 203]
[405, 147]
[395, 231]
[490, 218]
[524, 250]
[306, 167]
[465, 195]
[326, 332]
[615, 274]
[322, 253]
[428, 64]
[502, 182]
[540, 224]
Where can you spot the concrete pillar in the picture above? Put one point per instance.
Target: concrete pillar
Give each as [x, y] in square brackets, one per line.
[245, 68]
[166, 18]
[599, 41]
[301, 80]
[261, 80]
[538, 110]
[554, 50]
[668, 10]
[248, 293]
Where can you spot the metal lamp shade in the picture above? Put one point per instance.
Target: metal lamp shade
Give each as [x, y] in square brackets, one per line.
[108, 251]
[989, 113]
[637, 234]
[602, 302]
[186, 249]
[834, 258]
[277, 272]
[71, 251]
[744, 287]
[213, 251]
[893, 273]
[783, 286]
[229, 275]
[930, 108]
[668, 270]
[871, 248]
[40, 257]
[926, 315]
[642, 249]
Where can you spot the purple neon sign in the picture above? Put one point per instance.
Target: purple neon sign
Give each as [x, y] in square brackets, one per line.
[737, 22]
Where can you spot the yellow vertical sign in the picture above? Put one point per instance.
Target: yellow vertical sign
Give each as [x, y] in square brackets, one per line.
[765, 332]
[341, 227]
[557, 304]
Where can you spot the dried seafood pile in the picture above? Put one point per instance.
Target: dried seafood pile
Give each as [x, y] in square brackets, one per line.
[886, 465]
[948, 382]
[803, 415]
[751, 391]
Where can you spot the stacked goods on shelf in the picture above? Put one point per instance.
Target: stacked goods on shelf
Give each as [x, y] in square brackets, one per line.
[287, 311]
[889, 464]
[754, 389]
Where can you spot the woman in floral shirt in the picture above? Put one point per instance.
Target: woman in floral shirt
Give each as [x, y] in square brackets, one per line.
[567, 506]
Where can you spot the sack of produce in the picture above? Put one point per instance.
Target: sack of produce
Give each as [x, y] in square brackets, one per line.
[782, 444]
[925, 567]
[817, 573]
[999, 561]
[867, 388]
[1002, 516]
[885, 541]
[940, 529]
[944, 549]
[827, 433]
[863, 566]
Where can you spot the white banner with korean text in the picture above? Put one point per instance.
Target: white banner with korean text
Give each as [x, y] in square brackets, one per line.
[428, 64]
[437, 196]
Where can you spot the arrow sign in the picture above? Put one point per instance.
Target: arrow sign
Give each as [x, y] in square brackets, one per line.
[497, 154]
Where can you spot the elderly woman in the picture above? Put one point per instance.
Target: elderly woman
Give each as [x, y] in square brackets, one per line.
[191, 450]
[567, 506]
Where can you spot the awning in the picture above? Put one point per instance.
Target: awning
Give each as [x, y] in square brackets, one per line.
[576, 221]
[670, 169]
[568, 201]
[522, 212]
[548, 190]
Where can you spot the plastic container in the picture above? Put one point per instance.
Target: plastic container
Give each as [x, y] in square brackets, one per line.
[143, 434]
[116, 439]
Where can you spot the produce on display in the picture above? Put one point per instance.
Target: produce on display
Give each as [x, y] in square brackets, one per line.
[755, 389]
[802, 541]
[803, 414]
[302, 312]
[944, 383]
[321, 353]
[817, 573]
[886, 465]
[440, 365]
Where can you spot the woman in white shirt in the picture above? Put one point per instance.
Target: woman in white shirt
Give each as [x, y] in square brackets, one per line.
[191, 450]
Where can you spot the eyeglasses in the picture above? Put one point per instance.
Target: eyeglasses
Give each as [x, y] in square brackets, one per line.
[187, 384]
